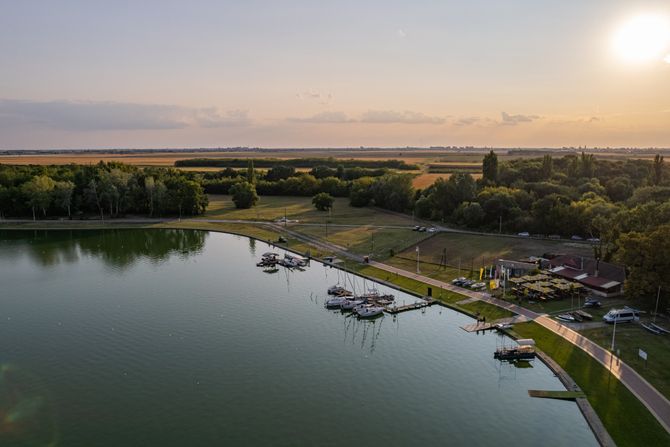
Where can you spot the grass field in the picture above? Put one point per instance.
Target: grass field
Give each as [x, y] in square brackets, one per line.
[418, 156]
[478, 250]
[625, 417]
[271, 208]
[632, 337]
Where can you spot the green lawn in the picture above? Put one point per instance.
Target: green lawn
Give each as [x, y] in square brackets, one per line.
[632, 337]
[476, 250]
[271, 208]
[365, 240]
[627, 420]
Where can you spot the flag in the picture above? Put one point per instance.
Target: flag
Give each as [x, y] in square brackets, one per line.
[481, 273]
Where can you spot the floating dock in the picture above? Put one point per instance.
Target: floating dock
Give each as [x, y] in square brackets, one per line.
[564, 395]
[419, 305]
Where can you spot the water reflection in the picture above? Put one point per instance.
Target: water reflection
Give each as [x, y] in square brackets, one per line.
[117, 248]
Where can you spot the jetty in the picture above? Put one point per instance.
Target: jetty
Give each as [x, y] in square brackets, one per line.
[484, 326]
[418, 305]
[564, 395]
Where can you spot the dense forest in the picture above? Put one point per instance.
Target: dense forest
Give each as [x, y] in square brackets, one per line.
[104, 190]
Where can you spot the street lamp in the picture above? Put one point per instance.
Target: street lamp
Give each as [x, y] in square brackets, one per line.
[417, 260]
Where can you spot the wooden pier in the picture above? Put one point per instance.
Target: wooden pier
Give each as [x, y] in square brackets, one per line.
[419, 305]
[565, 395]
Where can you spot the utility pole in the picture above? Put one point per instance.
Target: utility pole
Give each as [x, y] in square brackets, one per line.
[658, 296]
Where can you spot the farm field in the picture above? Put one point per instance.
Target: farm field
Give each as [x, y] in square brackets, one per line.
[441, 157]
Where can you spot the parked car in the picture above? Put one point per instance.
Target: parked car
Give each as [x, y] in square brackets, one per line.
[416, 228]
[432, 230]
[554, 236]
[524, 234]
[576, 238]
[595, 240]
[620, 316]
[592, 302]
[422, 229]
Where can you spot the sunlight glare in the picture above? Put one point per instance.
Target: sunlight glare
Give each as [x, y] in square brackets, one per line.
[643, 38]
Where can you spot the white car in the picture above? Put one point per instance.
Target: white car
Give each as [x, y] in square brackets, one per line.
[432, 230]
[524, 234]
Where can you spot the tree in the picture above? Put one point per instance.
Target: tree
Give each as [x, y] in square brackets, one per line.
[251, 173]
[150, 188]
[647, 257]
[93, 196]
[279, 172]
[490, 168]
[62, 195]
[38, 193]
[323, 201]
[547, 167]
[244, 195]
[657, 170]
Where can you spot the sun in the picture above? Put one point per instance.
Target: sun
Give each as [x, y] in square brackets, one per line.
[643, 38]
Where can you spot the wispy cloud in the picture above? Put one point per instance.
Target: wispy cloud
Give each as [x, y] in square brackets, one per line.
[513, 120]
[97, 115]
[372, 117]
[316, 96]
[406, 117]
[324, 118]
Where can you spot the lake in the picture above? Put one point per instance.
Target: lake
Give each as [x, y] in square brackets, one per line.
[175, 338]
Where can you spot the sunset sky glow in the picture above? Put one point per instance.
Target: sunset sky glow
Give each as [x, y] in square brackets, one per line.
[93, 74]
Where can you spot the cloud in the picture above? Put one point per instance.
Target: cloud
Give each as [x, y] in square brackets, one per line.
[513, 120]
[401, 33]
[99, 115]
[324, 117]
[666, 59]
[315, 95]
[406, 117]
[467, 121]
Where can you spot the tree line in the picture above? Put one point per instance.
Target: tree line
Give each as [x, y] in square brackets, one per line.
[105, 190]
[296, 163]
[624, 205]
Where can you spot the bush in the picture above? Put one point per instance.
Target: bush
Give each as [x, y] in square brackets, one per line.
[323, 201]
[244, 195]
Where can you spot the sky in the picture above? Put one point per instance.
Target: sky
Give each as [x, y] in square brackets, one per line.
[161, 73]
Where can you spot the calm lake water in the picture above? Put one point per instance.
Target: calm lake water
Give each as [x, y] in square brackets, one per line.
[175, 338]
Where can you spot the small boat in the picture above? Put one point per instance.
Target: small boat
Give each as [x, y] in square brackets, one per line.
[566, 318]
[335, 303]
[350, 304]
[270, 269]
[584, 315]
[525, 350]
[503, 326]
[578, 318]
[659, 328]
[651, 329]
[370, 312]
[339, 291]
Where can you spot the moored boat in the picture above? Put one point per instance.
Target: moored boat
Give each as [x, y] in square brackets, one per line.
[370, 312]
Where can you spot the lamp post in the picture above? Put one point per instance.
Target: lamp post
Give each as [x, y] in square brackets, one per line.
[658, 296]
[417, 260]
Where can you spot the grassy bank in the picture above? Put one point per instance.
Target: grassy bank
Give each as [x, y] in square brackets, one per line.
[627, 420]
